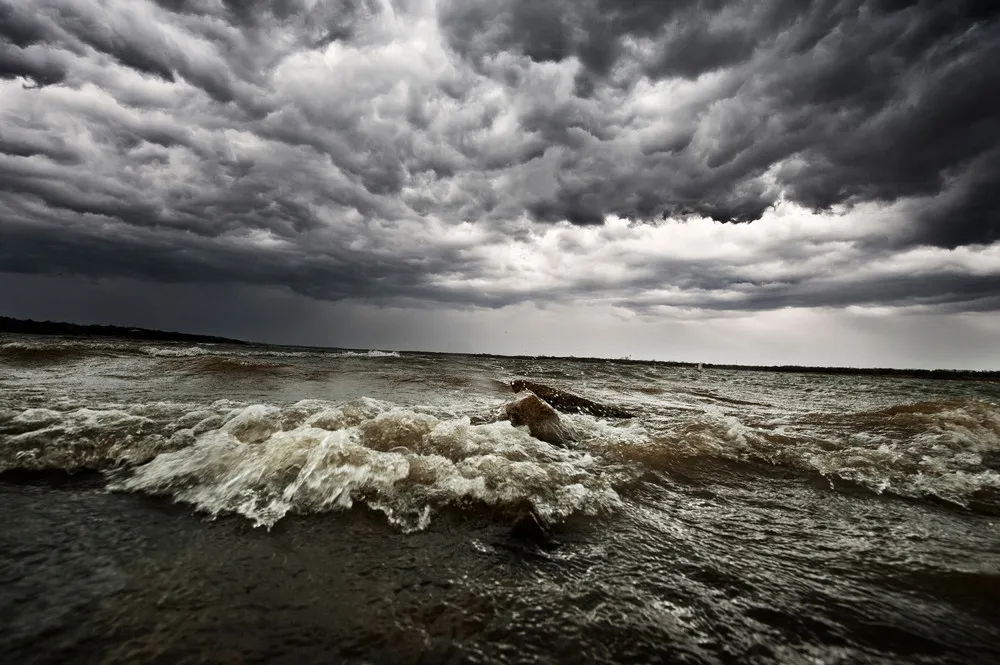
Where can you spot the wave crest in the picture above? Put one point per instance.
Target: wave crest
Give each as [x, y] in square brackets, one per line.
[374, 353]
[174, 352]
[265, 461]
[39, 352]
[932, 449]
[405, 464]
[41, 439]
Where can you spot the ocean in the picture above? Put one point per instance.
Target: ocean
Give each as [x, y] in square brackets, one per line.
[214, 503]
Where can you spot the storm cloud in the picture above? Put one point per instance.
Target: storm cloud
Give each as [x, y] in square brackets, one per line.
[688, 156]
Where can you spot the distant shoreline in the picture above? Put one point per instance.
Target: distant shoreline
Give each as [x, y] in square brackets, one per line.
[30, 327]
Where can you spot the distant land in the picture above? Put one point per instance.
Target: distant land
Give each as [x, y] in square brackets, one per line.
[29, 327]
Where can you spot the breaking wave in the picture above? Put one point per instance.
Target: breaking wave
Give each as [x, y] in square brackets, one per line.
[945, 450]
[264, 461]
[58, 350]
[18, 352]
[194, 351]
[231, 365]
[374, 353]
[168, 352]
[48, 352]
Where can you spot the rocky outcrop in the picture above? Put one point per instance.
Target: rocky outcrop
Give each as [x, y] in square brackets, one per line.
[535, 406]
[542, 421]
[568, 402]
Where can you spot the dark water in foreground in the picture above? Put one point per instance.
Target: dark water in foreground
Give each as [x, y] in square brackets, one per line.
[252, 504]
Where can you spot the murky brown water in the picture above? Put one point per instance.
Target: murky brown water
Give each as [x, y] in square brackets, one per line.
[360, 516]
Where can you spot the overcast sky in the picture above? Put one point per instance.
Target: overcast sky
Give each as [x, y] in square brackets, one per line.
[766, 181]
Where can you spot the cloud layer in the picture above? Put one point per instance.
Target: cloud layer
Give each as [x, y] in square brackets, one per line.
[689, 157]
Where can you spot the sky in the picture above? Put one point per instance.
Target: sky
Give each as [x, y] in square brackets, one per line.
[806, 182]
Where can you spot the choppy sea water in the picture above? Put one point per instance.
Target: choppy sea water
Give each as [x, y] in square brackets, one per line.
[172, 503]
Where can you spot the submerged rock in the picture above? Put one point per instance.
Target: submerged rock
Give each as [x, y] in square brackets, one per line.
[543, 422]
[568, 402]
[528, 525]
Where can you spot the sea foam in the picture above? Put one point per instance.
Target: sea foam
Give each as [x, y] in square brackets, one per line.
[265, 462]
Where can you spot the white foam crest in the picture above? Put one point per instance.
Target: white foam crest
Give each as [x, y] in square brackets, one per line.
[84, 438]
[193, 351]
[59, 346]
[926, 449]
[374, 353]
[263, 465]
[273, 354]
[53, 351]
[21, 346]
[175, 352]
[101, 438]
[931, 449]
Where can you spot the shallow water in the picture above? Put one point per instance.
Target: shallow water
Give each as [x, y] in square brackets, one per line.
[263, 504]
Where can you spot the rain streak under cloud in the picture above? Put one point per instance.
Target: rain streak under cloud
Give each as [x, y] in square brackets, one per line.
[648, 163]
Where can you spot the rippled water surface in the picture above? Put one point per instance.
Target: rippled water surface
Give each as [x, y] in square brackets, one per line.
[179, 503]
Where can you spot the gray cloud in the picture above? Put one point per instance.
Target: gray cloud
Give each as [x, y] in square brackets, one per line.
[851, 101]
[411, 152]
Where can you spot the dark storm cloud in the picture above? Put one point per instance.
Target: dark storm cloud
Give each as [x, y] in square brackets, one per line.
[868, 100]
[382, 150]
[331, 275]
[968, 211]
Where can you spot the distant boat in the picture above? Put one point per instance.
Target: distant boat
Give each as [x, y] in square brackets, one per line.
[700, 368]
